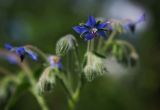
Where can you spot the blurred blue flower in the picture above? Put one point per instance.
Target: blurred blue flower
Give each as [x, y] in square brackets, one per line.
[21, 52]
[55, 61]
[131, 25]
[91, 29]
[11, 59]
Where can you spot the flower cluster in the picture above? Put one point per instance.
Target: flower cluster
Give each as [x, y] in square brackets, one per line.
[93, 28]
[91, 65]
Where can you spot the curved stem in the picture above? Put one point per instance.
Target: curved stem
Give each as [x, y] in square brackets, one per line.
[65, 85]
[130, 46]
[111, 37]
[75, 98]
[40, 100]
[109, 41]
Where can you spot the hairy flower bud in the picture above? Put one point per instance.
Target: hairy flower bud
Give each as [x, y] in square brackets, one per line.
[94, 66]
[66, 43]
[46, 81]
[117, 25]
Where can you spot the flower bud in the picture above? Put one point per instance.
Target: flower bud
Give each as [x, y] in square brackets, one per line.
[133, 58]
[94, 66]
[117, 25]
[46, 81]
[65, 44]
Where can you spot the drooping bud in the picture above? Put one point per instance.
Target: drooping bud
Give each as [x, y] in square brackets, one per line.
[94, 66]
[133, 58]
[116, 25]
[65, 44]
[46, 81]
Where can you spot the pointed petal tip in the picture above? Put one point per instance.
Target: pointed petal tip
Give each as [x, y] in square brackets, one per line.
[91, 21]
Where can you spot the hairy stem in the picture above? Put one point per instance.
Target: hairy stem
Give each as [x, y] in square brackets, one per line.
[65, 85]
[88, 46]
[29, 73]
[39, 99]
[100, 42]
[130, 46]
[109, 41]
[75, 98]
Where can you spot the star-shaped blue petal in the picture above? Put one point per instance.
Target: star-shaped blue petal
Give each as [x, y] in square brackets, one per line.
[91, 22]
[91, 29]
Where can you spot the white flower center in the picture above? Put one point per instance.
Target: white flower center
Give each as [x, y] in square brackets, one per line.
[94, 30]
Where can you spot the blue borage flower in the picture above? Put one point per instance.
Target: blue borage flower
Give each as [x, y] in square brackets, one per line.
[131, 25]
[21, 52]
[91, 29]
[55, 61]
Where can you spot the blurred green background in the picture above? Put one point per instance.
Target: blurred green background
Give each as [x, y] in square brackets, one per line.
[42, 23]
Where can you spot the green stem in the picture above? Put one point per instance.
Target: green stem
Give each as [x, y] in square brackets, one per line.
[109, 41]
[75, 98]
[76, 53]
[67, 66]
[72, 102]
[78, 64]
[12, 100]
[130, 46]
[92, 45]
[88, 46]
[100, 42]
[111, 37]
[39, 99]
[89, 49]
[65, 85]
[29, 73]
